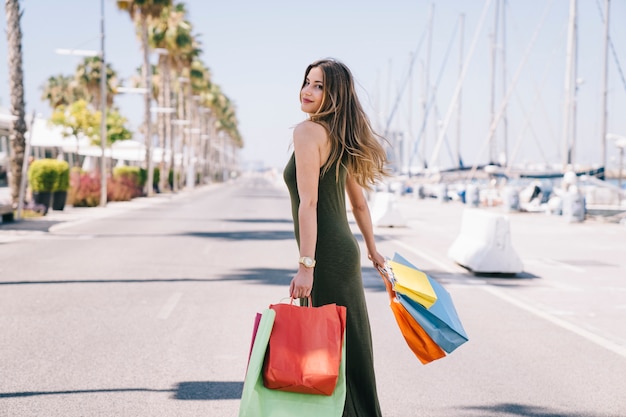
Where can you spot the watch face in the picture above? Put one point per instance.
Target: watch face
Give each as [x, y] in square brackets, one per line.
[306, 261]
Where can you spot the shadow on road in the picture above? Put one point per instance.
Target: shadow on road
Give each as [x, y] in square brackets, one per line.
[107, 281]
[283, 221]
[271, 276]
[263, 276]
[29, 225]
[209, 390]
[512, 409]
[246, 235]
[193, 390]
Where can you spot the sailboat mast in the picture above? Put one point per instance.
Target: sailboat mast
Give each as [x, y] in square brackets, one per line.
[570, 88]
[505, 139]
[494, 36]
[605, 77]
[459, 102]
[427, 76]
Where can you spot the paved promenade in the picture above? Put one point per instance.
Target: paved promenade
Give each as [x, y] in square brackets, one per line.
[145, 308]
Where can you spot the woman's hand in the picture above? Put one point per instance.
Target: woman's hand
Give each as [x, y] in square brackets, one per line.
[302, 283]
[377, 259]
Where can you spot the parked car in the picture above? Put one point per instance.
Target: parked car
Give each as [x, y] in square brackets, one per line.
[6, 203]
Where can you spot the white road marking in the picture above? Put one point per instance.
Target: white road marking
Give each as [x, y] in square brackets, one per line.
[169, 306]
[446, 267]
[558, 264]
[592, 337]
[564, 287]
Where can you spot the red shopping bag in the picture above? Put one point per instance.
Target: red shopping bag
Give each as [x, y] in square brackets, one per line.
[304, 351]
[257, 320]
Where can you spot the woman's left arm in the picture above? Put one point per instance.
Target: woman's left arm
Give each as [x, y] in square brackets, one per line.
[363, 218]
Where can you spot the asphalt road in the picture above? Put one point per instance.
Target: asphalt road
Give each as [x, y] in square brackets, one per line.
[148, 311]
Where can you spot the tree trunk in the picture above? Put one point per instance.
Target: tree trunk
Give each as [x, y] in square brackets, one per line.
[16, 88]
[169, 139]
[181, 131]
[147, 74]
[165, 120]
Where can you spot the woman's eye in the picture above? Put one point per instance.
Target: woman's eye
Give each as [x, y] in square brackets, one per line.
[319, 87]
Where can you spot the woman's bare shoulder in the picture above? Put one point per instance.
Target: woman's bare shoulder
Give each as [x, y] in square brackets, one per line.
[307, 130]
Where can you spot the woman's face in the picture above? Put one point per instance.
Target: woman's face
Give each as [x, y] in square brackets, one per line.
[312, 93]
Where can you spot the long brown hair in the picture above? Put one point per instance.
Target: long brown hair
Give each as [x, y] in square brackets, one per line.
[353, 141]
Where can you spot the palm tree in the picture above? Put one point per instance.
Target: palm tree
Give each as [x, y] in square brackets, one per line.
[170, 34]
[141, 11]
[225, 124]
[182, 65]
[16, 86]
[199, 82]
[61, 90]
[88, 75]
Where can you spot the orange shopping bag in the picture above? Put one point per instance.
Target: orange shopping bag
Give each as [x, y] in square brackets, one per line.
[304, 350]
[422, 345]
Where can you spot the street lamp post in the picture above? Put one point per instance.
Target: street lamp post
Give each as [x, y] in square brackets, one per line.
[103, 111]
[179, 123]
[164, 112]
[103, 101]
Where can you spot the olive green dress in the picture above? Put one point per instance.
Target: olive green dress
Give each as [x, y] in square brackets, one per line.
[337, 279]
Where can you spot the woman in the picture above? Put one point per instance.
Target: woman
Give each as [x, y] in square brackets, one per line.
[336, 153]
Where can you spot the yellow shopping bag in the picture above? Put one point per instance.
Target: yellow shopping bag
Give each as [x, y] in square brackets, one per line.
[413, 283]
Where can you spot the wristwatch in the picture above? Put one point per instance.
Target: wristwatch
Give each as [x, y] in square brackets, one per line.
[307, 262]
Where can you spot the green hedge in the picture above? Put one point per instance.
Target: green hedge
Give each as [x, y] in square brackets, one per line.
[63, 180]
[43, 175]
[134, 174]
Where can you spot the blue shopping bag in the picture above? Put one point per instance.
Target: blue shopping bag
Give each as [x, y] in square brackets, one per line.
[258, 401]
[441, 320]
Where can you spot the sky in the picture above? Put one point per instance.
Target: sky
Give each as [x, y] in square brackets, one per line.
[258, 52]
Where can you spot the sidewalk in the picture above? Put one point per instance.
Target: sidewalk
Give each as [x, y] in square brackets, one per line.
[56, 220]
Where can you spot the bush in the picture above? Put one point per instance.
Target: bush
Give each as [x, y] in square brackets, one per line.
[131, 178]
[143, 177]
[84, 189]
[170, 178]
[63, 180]
[43, 175]
[121, 189]
[157, 177]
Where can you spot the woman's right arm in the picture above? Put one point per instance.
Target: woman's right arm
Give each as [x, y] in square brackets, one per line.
[308, 140]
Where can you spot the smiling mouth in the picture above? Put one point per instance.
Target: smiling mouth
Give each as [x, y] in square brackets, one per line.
[306, 100]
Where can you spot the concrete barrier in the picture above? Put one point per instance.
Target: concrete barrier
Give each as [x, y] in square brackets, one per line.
[442, 193]
[484, 244]
[574, 207]
[384, 211]
[510, 199]
[472, 195]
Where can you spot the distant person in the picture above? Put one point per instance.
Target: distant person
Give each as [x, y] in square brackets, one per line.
[336, 152]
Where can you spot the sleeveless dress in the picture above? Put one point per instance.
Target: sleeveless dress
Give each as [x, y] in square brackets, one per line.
[337, 279]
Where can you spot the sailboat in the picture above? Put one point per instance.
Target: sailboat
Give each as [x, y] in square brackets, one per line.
[498, 167]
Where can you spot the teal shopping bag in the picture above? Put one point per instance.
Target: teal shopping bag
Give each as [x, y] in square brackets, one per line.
[440, 321]
[258, 401]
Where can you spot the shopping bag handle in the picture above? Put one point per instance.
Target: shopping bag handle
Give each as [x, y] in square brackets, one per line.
[384, 273]
[302, 302]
